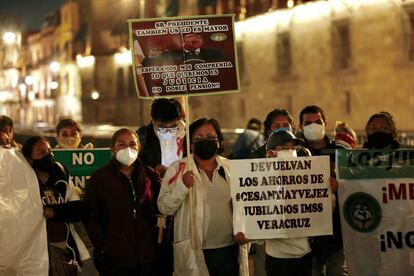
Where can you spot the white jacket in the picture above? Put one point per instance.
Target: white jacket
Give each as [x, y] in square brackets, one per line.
[174, 200]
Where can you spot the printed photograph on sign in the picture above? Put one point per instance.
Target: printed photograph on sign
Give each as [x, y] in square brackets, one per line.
[184, 56]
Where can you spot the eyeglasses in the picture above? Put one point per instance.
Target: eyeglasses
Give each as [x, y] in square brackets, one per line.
[167, 129]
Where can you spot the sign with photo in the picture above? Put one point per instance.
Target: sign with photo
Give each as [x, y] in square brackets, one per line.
[184, 56]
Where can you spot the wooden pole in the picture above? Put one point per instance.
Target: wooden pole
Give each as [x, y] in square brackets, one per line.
[190, 195]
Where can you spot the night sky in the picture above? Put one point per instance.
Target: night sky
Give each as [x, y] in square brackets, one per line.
[30, 12]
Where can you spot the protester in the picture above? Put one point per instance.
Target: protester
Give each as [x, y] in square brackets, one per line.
[381, 132]
[5, 141]
[121, 206]
[162, 144]
[6, 125]
[290, 256]
[249, 140]
[275, 120]
[69, 135]
[162, 139]
[327, 250]
[62, 207]
[23, 242]
[205, 173]
[345, 136]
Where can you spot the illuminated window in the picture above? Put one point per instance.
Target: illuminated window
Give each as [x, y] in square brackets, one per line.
[341, 45]
[283, 52]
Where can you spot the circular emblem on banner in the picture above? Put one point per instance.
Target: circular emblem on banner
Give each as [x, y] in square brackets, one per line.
[218, 37]
[362, 212]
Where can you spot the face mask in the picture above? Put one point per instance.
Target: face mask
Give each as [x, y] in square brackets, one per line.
[69, 142]
[44, 164]
[282, 128]
[205, 149]
[314, 132]
[167, 135]
[380, 140]
[287, 153]
[127, 156]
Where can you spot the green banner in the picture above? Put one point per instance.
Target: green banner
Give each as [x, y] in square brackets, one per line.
[82, 163]
[374, 164]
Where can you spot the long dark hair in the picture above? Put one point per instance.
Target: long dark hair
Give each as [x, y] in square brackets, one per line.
[27, 148]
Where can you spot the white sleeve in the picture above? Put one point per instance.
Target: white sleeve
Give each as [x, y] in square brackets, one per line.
[172, 194]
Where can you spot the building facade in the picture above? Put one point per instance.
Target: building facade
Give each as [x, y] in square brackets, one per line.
[352, 58]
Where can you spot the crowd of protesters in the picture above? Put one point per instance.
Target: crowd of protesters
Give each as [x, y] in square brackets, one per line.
[153, 183]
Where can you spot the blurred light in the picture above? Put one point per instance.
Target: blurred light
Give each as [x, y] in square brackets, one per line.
[29, 80]
[54, 66]
[9, 37]
[31, 96]
[95, 95]
[123, 57]
[22, 89]
[6, 96]
[53, 85]
[290, 3]
[86, 61]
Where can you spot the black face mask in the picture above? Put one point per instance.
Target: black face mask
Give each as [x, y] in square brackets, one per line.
[205, 149]
[44, 164]
[380, 140]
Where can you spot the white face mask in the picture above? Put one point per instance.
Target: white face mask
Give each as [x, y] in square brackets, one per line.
[166, 135]
[127, 156]
[287, 153]
[314, 132]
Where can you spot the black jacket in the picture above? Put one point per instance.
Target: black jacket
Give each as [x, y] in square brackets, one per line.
[323, 246]
[150, 151]
[121, 226]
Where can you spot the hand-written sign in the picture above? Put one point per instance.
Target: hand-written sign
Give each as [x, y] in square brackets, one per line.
[82, 163]
[281, 198]
[184, 56]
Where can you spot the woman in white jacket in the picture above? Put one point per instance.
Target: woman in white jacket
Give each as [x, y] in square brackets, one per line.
[213, 250]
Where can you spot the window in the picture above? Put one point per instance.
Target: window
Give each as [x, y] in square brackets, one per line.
[341, 45]
[131, 84]
[120, 83]
[409, 31]
[240, 58]
[283, 52]
[348, 103]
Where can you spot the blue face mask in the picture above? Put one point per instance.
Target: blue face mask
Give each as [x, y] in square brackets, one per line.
[282, 128]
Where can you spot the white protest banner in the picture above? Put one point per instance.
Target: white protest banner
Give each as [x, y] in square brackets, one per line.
[281, 197]
[376, 198]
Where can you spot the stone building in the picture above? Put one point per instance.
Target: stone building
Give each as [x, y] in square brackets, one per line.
[352, 58]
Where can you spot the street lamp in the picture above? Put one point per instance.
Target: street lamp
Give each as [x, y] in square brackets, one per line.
[53, 85]
[9, 37]
[54, 66]
[29, 80]
[95, 95]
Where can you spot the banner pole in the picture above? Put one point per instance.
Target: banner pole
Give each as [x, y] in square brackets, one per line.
[190, 195]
